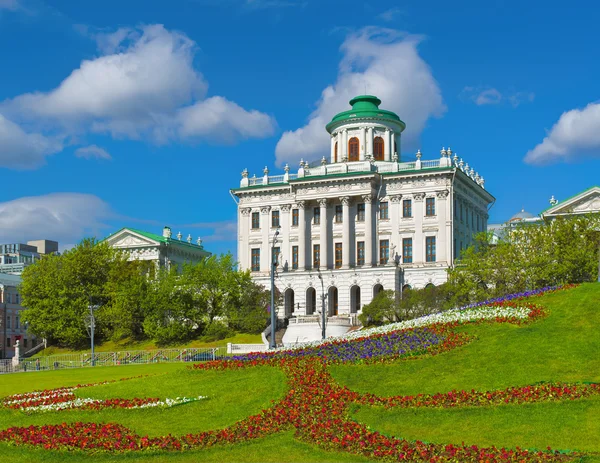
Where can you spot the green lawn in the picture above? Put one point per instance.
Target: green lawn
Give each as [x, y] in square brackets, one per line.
[127, 344]
[563, 347]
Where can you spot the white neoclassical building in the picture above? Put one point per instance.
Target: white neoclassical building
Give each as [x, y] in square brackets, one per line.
[164, 250]
[360, 221]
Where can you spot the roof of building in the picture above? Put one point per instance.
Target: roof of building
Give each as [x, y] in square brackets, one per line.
[162, 239]
[558, 203]
[522, 215]
[365, 106]
[9, 279]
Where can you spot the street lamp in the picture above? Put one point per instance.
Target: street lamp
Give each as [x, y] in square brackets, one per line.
[91, 324]
[322, 305]
[273, 344]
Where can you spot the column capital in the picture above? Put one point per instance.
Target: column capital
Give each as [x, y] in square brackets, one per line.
[246, 211]
[301, 204]
[265, 209]
[367, 198]
[419, 196]
[322, 202]
[442, 194]
[286, 207]
[346, 200]
[395, 198]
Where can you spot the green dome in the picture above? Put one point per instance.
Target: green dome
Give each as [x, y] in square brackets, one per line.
[364, 106]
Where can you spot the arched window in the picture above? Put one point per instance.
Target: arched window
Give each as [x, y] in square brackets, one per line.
[378, 148]
[335, 159]
[353, 146]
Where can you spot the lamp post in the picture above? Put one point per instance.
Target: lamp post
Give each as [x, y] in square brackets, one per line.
[322, 305]
[273, 344]
[92, 325]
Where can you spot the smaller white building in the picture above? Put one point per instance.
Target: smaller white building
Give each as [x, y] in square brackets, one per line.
[163, 249]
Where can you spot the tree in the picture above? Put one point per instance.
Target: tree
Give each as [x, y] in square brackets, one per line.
[530, 256]
[380, 310]
[57, 291]
[246, 309]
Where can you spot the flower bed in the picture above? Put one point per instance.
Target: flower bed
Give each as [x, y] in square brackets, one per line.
[318, 409]
[513, 395]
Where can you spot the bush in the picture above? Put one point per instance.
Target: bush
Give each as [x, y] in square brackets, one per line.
[216, 331]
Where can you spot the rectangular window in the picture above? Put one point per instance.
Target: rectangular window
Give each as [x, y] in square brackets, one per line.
[455, 210]
[407, 208]
[429, 206]
[384, 251]
[9, 298]
[8, 322]
[339, 214]
[383, 210]
[407, 252]
[338, 255]
[360, 212]
[8, 342]
[295, 218]
[255, 260]
[360, 250]
[17, 321]
[430, 249]
[275, 256]
[274, 219]
[295, 257]
[255, 220]
[317, 215]
[316, 255]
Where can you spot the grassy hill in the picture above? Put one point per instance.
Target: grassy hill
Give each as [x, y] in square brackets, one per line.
[564, 346]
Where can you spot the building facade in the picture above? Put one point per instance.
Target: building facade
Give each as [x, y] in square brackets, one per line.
[14, 257]
[165, 250]
[360, 221]
[11, 327]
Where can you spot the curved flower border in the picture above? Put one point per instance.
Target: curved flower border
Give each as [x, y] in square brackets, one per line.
[317, 408]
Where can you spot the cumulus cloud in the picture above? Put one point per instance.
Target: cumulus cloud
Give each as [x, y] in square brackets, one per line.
[22, 150]
[63, 217]
[491, 96]
[142, 86]
[10, 5]
[388, 64]
[92, 152]
[577, 132]
[390, 15]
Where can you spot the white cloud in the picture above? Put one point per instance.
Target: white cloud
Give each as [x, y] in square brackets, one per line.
[225, 230]
[143, 86]
[10, 5]
[63, 217]
[577, 132]
[217, 118]
[387, 63]
[21, 150]
[92, 151]
[391, 14]
[491, 96]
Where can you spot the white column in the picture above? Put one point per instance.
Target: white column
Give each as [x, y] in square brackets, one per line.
[323, 239]
[444, 247]
[395, 214]
[284, 236]
[369, 140]
[332, 151]
[363, 144]
[243, 238]
[346, 241]
[345, 142]
[301, 236]
[392, 144]
[368, 230]
[419, 238]
[340, 142]
[387, 149]
[265, 247]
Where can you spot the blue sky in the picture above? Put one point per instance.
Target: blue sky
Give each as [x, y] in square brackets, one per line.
[144, 113]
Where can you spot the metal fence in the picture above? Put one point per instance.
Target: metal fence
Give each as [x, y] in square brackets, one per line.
[135, 357]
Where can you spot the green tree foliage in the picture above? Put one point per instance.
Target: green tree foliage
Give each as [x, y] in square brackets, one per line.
[389, 306]
[58, 290]
[529, 256]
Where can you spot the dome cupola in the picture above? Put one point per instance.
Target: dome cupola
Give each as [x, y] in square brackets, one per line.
[365, 132]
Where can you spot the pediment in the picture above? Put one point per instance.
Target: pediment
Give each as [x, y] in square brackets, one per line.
[583, 203]
[126, 239]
